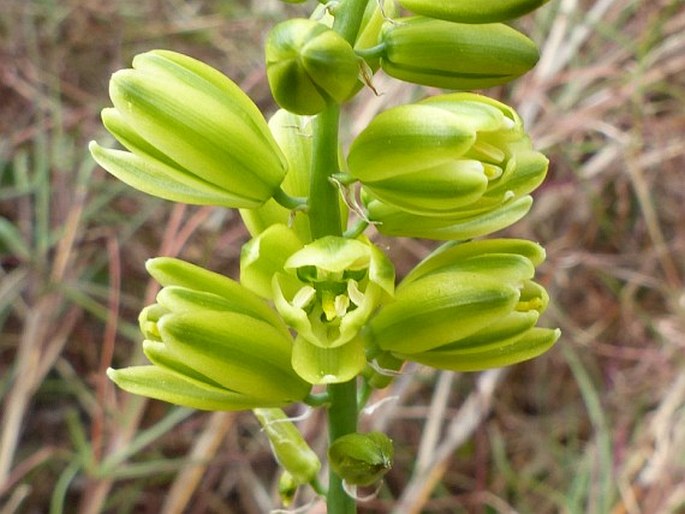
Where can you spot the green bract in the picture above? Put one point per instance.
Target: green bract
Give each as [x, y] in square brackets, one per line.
[213, 345]
[455, 55]
[309, 65]
[289, 447]
[467, 307]
[327, 291]
[361, 459]
[472, 11]
[193, 136]
[461, 158]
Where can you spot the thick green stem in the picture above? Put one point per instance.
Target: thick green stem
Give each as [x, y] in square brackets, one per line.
[324, 210]
[342, 420]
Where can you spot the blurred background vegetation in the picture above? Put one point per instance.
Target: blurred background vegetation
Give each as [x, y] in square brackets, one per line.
[595, 426]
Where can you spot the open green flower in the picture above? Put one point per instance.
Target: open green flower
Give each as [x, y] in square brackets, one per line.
[338, 282]
[212, 343]
[327, 291]
[452, 55]
[467, 307]
[457, 157]
[192, 135]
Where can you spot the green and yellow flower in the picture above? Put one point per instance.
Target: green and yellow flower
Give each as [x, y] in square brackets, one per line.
[309, 65]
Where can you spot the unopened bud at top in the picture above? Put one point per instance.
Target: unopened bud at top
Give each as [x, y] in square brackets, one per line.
[309, 65]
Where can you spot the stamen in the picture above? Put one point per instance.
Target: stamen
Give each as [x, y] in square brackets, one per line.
[303, 298]
[342, 303]
[354, 293]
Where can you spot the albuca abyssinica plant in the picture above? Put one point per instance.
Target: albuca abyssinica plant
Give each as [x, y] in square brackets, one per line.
[317, 303]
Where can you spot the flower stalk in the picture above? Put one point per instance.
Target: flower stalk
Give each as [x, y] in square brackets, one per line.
[342, 411]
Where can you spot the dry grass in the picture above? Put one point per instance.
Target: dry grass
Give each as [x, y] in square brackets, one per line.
[595, 426]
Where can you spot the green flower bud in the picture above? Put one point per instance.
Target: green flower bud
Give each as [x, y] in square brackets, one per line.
[290, 449]
[213, 345]
[361, 459]
[327, 292]
[193, 136]
[472, 11]
[309, 65]
[454, 55]
[467, 307]
[455, 157]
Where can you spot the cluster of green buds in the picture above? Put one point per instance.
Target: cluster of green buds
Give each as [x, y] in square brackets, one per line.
[317, 304]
